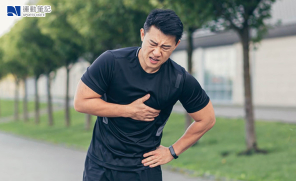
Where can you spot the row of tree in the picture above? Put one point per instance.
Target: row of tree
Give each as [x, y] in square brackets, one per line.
[86, 28]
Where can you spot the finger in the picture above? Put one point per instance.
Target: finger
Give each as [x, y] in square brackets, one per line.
[151, 110]
[145, 98]
[154, 165]
[149, 154]
[150, 116]
[149, 159]
[149, 119]
[151, 163]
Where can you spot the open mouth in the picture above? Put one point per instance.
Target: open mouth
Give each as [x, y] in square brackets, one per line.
[153, 60]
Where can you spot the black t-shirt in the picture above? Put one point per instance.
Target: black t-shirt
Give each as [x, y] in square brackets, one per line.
[119, 143]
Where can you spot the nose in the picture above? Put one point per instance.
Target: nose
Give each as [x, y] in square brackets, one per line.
[156, 52]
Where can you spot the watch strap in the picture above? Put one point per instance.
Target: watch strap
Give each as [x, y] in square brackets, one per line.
[173, 152]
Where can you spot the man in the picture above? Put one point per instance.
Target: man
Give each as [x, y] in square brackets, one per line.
[132, 91]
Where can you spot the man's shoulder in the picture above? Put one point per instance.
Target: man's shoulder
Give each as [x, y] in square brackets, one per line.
[124, 52]
[178, 69]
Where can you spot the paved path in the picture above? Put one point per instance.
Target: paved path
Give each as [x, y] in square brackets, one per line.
[30, 160]
[287, 115]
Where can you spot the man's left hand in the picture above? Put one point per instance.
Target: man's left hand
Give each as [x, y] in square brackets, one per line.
[160, 156]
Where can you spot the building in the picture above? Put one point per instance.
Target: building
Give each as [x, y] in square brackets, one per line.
[217, 65]
[218, 62]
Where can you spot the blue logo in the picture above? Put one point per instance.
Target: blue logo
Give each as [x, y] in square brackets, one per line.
[13, 10]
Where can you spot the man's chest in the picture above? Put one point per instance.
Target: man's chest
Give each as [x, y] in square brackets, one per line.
[130, 86]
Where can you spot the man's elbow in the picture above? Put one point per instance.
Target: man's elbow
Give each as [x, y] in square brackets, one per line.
[77, 105]
[212, 121]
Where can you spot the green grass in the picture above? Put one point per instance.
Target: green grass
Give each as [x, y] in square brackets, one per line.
[215, 154]
[7, 107]
[74, 136]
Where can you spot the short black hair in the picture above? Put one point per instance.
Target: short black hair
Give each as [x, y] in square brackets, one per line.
[166, 21]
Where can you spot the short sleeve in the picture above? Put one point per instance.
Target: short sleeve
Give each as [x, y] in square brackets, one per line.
[193, 97]
[99, 73]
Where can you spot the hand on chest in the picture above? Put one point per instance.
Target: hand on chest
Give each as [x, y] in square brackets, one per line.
[126, 89]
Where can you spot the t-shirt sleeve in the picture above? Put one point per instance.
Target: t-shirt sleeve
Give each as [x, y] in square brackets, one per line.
[193, 97]
[99, 73]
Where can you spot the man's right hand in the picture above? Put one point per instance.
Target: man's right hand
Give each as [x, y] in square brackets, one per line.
[139, 111]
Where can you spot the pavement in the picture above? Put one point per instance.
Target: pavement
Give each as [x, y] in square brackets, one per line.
[30, 160]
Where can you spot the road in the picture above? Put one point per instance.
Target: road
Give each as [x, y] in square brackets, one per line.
[30, 160]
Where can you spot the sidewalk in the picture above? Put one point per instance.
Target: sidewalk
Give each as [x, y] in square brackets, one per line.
[30, 160]
[286, 115]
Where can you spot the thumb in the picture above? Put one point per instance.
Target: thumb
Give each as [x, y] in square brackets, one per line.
[146, 97]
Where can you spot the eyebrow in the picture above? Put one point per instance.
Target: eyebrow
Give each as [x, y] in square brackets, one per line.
[168, 46]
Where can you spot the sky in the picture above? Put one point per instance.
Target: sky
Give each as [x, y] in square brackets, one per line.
[6, 22]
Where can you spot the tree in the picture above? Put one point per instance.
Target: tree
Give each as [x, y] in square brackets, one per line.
[2, 70]
[41, 57]
[194, 15]
[67, 40]
[14, 63]
[242, 17]
[106, 25]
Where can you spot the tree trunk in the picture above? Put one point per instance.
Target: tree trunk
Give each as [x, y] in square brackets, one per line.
[249, 113]
[16, 100]
[49, 100]
[67, 110]
[251, 142]
[88, 122]
[25, 101]
[189, 67]
[37, 116]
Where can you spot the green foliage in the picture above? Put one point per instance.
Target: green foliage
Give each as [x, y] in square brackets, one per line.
[13, 61]
[239, 15]
[2, 68]
[40, 53]
[194, 14]
[67, 40]
[106, 24]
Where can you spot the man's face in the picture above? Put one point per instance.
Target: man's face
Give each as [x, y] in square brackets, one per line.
[156, 49]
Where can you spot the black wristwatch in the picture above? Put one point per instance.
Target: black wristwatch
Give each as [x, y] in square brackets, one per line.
[173, 152]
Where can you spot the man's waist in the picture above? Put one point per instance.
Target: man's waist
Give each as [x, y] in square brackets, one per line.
[120, 164]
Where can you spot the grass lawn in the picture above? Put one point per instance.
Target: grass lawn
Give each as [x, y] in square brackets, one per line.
[215, 154]
[7, 107]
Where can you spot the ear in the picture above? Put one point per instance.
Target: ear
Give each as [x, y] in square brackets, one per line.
[177, 44]
[142, 33]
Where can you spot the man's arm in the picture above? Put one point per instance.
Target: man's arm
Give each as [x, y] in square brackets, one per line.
[90, 102]
[204, 120]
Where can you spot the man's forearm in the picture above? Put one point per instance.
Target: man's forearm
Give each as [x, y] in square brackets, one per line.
[194, 132]
[99, 107]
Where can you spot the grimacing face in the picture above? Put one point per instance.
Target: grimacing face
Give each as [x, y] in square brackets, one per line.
[156, 49]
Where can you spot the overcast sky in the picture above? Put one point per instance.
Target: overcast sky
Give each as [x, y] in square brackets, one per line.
[6, 22]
